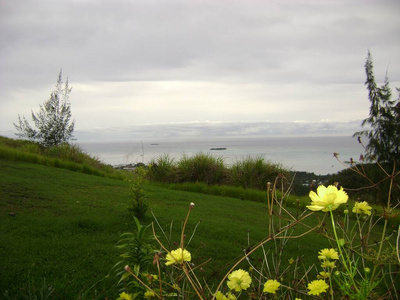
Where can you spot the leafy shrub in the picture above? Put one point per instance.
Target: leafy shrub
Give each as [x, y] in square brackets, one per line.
[138, 203]
[137, 253]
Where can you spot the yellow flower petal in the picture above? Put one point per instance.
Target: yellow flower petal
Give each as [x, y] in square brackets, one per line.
[326, 254]
[362, 208]
[271, 286]
[317, 287]
[239, 280]
[327, 198]
[178, 256]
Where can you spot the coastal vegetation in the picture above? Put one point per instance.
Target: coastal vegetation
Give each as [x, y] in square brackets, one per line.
[65, 231]
[74, 228]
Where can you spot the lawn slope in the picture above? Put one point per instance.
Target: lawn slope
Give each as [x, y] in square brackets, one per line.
[62, 227]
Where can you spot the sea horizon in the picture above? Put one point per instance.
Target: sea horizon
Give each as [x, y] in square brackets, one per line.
[312, 154]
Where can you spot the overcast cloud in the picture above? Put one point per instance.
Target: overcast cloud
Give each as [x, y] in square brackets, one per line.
[164, 67]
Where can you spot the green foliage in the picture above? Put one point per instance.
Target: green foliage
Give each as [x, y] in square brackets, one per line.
[64, 156]
[138, 253]
[162, 169]
[69, 224]
[237, 192]
[30, 291]
[201, 168]
[343, 271]
[138, 203]
[250, 173]
[254, 173]
[384, 120]
[53, 122]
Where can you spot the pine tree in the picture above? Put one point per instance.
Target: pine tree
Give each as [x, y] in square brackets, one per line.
[384, 120]
[53, 122]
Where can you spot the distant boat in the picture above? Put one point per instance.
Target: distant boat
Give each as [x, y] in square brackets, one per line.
[154, 144]
[218, 148]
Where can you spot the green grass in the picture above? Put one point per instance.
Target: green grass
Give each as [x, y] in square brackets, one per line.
[66, 226]
[59, 227]
[64, 156]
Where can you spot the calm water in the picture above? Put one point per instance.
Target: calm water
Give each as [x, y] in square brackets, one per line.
[311, 154]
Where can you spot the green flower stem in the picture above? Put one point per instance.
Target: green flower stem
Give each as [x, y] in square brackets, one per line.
[384, 228]
[343, 259]
[330, 285]
[380, 250]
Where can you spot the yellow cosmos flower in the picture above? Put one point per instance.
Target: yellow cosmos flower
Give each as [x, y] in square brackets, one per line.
[239, 280]
[324, 275]
[271, 286]
[149, 294]
[328, 264]
[220, 296]
[228, 296]
[326, 254]
[317, 287]
[178, 256]
[362, 208]
[124, 296]
[327, 198]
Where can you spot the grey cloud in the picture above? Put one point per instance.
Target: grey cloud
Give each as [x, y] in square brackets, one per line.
[105, 40]
[212, 130]
[267, 43]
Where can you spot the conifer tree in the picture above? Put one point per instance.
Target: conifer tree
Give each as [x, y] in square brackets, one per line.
[53, 124]
[384, 119]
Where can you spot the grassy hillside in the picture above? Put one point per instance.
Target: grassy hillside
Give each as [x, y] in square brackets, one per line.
[60, 228]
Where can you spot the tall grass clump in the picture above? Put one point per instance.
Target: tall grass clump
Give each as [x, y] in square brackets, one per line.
[201, 168]
[66, 156]
[249, 173]
[162, 169]
[254, 172]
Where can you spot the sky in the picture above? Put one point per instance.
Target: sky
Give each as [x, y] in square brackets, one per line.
[183, 68]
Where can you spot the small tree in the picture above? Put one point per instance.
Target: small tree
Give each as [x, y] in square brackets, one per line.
[53, 122]
[138, 204]
[384, 120]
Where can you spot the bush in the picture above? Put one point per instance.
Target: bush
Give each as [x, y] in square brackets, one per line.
[201, 168]
[162, 169]
[254, 173]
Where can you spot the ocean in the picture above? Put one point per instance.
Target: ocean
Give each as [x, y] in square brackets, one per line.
[310, 154]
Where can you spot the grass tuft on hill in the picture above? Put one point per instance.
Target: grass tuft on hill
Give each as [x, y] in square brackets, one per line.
[65, 156]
